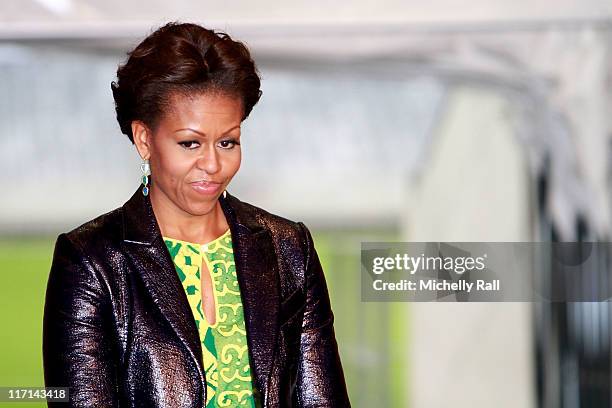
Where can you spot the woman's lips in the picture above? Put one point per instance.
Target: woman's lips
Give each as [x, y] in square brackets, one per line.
[206, 187]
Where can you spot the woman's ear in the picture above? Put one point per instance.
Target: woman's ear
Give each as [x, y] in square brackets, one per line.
[142, 139]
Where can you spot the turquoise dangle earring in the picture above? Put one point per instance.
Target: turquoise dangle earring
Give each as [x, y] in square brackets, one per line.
[146, 172]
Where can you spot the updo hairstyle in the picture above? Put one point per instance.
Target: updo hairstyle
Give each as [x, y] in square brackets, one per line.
[182, 59]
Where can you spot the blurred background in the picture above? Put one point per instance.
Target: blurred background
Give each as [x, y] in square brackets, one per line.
[387, 121]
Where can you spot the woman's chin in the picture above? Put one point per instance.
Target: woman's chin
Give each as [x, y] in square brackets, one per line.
[201, 206]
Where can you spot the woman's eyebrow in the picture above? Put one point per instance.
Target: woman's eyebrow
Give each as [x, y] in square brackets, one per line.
[190, 129]
[202, 133]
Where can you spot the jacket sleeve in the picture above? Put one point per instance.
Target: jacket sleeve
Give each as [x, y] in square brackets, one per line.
[320, 379]
[77, 349]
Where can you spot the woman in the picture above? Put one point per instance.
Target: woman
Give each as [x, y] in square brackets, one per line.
[186, 296]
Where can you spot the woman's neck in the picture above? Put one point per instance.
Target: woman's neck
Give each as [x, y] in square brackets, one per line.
[176, 223]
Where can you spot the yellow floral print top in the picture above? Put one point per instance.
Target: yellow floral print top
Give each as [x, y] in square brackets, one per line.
[224, 344]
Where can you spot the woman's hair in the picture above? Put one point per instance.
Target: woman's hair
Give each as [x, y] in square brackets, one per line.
[184, 59]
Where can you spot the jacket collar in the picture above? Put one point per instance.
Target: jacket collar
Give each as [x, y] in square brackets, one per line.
[256, 268]
[141, 227]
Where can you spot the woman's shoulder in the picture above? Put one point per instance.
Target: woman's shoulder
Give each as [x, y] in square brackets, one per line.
[102, 230]
[280, 227]
[246, 209]
[251, 214]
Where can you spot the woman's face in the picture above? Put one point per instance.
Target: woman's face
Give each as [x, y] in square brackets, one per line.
[195, 151]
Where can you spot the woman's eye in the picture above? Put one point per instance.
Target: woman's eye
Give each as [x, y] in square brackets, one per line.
[228, 144]
[190, 144]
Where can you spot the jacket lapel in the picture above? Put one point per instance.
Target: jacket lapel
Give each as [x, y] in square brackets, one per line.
[256, 268]
[143, 242]
[259, 281]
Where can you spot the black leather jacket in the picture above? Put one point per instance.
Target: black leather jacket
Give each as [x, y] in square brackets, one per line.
[119, 331]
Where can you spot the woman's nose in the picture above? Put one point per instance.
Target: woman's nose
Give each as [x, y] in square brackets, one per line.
[209, 162]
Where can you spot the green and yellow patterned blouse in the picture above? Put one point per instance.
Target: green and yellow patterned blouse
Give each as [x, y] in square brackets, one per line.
[224, 344]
